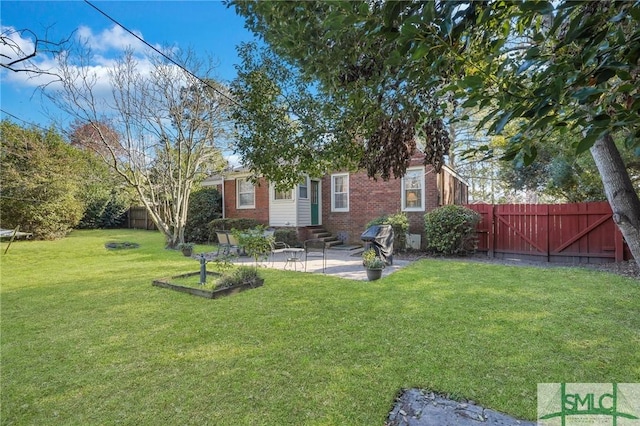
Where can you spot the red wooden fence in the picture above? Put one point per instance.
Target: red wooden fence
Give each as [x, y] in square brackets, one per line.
[567, 233]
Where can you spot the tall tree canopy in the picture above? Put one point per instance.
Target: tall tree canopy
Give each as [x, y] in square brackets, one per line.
[539, 64]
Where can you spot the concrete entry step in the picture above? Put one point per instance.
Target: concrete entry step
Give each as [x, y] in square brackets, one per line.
[345, 247]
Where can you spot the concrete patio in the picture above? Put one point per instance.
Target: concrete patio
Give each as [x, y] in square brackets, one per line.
[342, 263]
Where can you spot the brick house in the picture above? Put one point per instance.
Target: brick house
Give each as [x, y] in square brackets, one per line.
[340, 203]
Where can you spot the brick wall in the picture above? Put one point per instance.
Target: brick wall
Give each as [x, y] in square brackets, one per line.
[261, 210]
[369, 199]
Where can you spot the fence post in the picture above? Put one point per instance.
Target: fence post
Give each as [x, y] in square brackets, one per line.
[491, 229]
[546, 230]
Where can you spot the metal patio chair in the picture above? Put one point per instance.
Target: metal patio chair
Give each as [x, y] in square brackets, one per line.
[315, 248]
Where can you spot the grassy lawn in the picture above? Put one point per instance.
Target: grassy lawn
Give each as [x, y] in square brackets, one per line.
[85, 338]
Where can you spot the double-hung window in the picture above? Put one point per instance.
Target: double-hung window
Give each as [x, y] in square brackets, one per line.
[283, 195]
[413, 190]
[340, 193]
[246, 195]
[303, 191]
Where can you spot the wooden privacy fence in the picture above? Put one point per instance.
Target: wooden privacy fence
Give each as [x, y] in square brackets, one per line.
[138, 218]
[563, 233]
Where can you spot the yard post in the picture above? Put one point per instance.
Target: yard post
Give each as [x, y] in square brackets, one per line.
[203, 269]
[491, 229]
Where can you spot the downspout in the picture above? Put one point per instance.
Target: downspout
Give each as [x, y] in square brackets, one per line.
[224, 216]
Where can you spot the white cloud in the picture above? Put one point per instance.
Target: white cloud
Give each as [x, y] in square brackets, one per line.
[105, 45]
[234, 160]
[114, 38]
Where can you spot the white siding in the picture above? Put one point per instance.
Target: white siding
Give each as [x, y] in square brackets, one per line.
[304, 212]
[294, 212]
[282, 212]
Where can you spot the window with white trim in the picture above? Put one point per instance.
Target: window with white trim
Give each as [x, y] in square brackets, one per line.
[303, 191]
[283, 195]
[340, 193]
[245, 194]
[413, 190]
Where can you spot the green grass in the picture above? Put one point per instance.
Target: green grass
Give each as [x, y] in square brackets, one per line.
[86, 339]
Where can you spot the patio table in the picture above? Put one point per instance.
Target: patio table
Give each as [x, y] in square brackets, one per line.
[293, 256]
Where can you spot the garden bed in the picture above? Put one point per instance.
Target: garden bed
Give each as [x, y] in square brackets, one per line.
[204, 292]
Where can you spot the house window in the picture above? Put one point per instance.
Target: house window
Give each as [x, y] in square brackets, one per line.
[283, 195]
[245, 194]
[303, 191]
[340, 193]
[413, 190]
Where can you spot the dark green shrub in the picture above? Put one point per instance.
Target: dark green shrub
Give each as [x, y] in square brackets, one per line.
[451, 230]
[205, 205]
[288, 236]
[400, 224]
[104, 213]
[41, 179]
[227, 224]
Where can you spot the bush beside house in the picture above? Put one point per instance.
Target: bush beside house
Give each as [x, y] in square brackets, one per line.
[205, 205]
[399, 223]
[451, 230]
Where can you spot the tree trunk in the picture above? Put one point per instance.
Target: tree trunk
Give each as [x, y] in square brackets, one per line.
[618, 188]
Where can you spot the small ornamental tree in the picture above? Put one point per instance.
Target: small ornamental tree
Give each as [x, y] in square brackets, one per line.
[451, 230]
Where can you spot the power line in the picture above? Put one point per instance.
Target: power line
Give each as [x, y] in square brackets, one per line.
[161, 53]
[24, 121]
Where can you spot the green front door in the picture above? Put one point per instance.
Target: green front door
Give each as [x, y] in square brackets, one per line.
[315, 202]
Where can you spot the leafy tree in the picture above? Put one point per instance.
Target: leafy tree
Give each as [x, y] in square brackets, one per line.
[560, 175]
[106, 199]
[269, 93]
[539, 64]
[41, 182]
[205, 205]
[473, 155]
[161, 132]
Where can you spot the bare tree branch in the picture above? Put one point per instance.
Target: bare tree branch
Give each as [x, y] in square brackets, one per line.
[10, 39]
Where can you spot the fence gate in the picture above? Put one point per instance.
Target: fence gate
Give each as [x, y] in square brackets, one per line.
[567, 233]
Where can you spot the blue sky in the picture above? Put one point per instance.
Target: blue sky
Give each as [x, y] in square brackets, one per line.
[209, 27]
